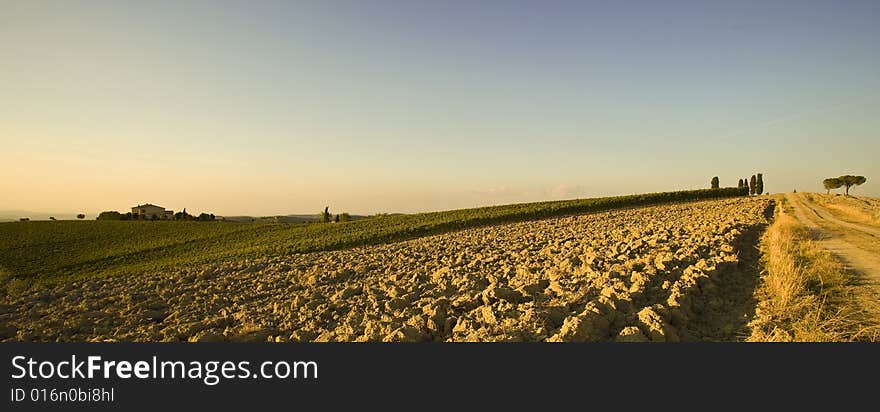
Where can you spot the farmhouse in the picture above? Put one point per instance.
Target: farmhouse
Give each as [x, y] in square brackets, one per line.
[147, 211]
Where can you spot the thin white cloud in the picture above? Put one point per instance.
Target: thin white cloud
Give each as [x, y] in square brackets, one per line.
[780, 120]
[566, 191]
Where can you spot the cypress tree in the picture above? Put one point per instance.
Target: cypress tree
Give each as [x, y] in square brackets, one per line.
[753, 183]
[714, 182]
[759, 187]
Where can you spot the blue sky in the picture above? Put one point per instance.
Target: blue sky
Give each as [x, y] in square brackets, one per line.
[368, 106]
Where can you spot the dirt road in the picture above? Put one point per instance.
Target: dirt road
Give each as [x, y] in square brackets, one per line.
[838, 237]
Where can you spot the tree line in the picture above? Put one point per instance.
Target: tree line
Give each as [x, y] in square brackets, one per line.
[845, 181]
[755, 185]
[182, 216]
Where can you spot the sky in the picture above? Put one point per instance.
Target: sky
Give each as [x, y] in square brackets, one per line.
[265, 108]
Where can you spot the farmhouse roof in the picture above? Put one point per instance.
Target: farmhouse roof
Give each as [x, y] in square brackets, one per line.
[147, 204]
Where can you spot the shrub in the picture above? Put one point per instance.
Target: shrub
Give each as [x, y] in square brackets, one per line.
[182, 215]
[110, 215]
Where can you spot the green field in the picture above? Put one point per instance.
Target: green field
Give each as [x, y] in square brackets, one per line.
[33, 253]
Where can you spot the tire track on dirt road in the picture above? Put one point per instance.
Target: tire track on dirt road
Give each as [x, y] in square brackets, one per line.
[826, 215]
[861, 261]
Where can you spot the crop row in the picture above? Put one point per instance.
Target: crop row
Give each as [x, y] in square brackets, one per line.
[52, 252]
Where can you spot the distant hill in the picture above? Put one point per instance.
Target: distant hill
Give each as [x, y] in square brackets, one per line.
[283, 218]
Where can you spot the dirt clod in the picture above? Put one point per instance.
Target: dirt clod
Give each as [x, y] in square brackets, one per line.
[651, 273]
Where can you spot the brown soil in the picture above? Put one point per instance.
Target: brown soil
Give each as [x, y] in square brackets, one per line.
[665, 273]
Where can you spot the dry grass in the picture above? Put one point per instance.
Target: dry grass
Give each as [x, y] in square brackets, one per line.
[806, 295]
[856, 209]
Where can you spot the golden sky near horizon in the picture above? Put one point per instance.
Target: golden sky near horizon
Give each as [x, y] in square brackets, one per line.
[288, 108]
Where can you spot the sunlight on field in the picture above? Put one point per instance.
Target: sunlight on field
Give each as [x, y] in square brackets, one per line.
[680, 271]
[858, 209]
[806, 294]
[48, 252]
